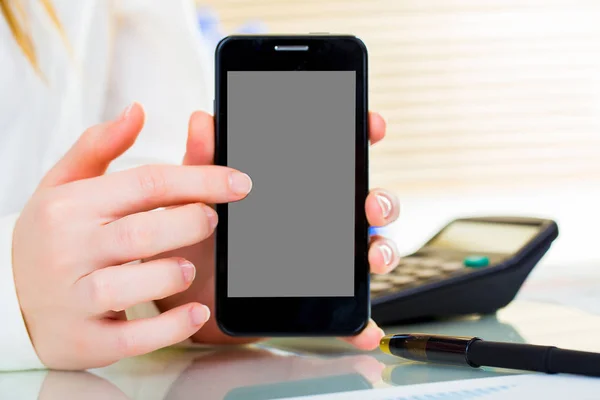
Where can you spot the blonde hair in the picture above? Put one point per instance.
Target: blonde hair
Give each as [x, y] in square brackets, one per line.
[18, 23]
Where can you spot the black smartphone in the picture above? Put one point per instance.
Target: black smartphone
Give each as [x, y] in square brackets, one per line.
[291, 258]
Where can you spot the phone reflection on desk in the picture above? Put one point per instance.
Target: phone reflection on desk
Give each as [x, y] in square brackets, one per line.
[260, 373]
[304, 387]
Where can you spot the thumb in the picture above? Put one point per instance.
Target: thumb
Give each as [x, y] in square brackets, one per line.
[99, 145]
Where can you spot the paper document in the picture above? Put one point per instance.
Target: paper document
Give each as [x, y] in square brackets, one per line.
[529, 386]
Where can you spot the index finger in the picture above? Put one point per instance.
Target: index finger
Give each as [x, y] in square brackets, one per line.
[153, 186]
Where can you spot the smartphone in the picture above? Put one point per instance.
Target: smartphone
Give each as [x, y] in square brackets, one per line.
[291, 258]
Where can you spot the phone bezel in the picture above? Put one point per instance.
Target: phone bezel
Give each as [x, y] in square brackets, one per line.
[297, 316]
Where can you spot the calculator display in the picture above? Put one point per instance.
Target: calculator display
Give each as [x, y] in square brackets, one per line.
[484, 237]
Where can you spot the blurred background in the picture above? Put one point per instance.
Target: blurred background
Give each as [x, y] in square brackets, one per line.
[493, 106]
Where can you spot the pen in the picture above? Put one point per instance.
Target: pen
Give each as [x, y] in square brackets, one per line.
[475, 352]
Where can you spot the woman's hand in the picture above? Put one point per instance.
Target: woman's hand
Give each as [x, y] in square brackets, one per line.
[77, 235]
[382, 208]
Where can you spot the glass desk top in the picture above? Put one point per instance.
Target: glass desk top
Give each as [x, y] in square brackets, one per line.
[283, 368]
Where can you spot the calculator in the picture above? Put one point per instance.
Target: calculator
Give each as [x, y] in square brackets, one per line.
[473, 265]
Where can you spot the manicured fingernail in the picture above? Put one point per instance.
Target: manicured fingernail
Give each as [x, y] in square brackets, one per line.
[213, 218]
[188, 270]
[240, 183]
[387, 253]
[385, 204]
[199, 314]
[125, 113]
[381, 333]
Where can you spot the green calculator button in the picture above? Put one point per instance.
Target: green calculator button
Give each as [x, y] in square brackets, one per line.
[476, 261]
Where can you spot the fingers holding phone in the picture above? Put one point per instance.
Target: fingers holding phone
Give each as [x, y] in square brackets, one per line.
[78, 234]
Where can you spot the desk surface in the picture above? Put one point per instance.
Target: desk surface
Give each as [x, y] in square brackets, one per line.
[287, 368]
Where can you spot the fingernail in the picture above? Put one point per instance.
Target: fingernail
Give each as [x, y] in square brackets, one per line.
[240, 183]
[125, 113]
[199, 314]
[385, 204]
[387, 253]
[188, 270]
[213, 218]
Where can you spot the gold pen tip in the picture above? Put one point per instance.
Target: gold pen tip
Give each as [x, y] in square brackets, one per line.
[384, 344]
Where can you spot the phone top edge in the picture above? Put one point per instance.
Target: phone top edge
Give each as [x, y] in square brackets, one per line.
[290, 35]
[307, 36]
[221, 46]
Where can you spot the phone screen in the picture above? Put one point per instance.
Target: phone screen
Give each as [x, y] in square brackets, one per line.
[294, 134]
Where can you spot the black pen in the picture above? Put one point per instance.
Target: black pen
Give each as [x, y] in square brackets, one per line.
[475, 352]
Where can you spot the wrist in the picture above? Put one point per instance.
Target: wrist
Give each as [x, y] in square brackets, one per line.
[16, 347]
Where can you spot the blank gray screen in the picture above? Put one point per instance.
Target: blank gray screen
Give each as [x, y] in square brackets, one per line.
[294, 133]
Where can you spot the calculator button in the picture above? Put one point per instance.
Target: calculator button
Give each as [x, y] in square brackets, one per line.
[401, 279]
[451, 266]
[430, 263]
[402, 265]
[476, 261]
[380, 286]
[425, 273]
[410, 261]
[380, 278]
[402, 270]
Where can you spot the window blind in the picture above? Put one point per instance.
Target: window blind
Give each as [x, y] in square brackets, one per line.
[476, 93]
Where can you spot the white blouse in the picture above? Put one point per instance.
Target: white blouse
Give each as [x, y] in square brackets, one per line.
[116, 52]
